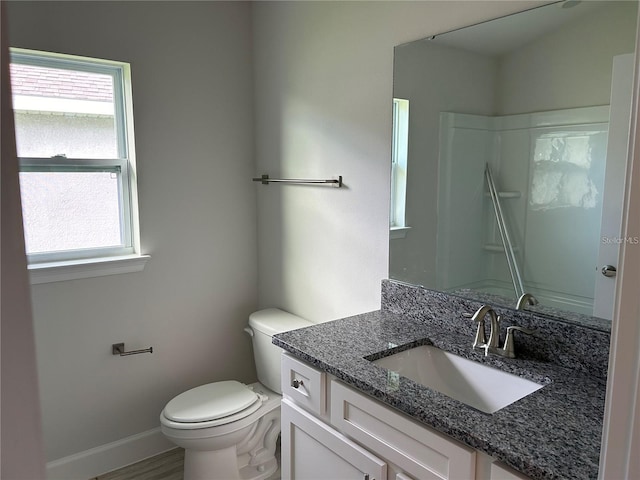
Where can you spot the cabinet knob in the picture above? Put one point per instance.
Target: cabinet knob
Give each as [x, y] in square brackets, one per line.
[296, 383]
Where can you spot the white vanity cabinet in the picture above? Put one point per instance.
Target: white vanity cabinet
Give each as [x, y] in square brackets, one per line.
[311, 449]
[332, 432]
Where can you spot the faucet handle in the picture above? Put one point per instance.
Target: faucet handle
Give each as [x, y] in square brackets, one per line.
[494, 336]
[528, 331]
[478, 317]
[481, 338]
[508, 349]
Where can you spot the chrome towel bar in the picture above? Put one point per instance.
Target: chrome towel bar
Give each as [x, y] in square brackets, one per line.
[118, 349]
[336, 182]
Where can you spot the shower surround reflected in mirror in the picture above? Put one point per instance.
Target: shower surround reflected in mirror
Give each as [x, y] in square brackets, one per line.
[540, 99]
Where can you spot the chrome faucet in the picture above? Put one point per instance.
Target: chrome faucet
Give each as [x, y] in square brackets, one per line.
[492, 345]
[524, 300]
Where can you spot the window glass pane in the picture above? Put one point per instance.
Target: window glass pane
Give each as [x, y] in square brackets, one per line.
[63, 112]
[70, 210]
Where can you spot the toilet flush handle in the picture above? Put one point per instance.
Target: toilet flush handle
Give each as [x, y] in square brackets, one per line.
[249, 331]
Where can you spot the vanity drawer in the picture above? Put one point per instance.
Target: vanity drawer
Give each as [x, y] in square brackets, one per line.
[419, 451]
[305, 385]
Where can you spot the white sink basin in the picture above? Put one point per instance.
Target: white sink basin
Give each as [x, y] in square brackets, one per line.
[484, 388]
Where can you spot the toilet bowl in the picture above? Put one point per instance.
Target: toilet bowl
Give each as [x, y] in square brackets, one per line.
[222, 443]
[228, 429]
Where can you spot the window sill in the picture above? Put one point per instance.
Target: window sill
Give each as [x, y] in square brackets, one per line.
[398, 232]
[95, 267]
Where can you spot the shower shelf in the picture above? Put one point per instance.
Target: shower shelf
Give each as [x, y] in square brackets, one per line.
[495, 248]
[513, 194]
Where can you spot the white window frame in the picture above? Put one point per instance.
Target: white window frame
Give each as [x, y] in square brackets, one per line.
[91, 262]
[399, 159]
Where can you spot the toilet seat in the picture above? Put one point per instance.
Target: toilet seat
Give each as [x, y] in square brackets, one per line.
[212, 404]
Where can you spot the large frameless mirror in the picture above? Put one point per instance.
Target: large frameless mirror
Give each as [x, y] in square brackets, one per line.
[539, 101]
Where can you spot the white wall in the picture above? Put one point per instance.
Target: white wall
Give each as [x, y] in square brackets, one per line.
[21, 449]
[466, 143]
[434, 78]
[570, 67]
[192, 94]
[323, 76]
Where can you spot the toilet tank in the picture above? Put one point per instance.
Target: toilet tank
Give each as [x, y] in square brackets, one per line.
[263, 325]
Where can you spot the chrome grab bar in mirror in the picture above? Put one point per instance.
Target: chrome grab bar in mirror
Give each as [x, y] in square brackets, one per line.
[512, 261]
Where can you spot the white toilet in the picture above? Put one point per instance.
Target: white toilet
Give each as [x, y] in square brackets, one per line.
[228, 429]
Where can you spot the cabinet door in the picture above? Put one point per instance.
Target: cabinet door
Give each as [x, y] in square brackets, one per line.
[502, 472]
[403, 476]
[311, 450]
[419, 451]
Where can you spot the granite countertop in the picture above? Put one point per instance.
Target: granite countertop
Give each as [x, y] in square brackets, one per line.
[553, 433]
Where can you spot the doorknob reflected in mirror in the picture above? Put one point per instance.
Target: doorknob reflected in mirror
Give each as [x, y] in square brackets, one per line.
[609, 271]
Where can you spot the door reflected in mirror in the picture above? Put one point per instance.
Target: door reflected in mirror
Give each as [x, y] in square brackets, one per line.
[543, 98]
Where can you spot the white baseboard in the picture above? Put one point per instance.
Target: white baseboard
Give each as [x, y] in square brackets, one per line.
[105, 458]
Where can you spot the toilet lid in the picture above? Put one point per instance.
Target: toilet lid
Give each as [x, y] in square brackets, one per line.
[210, 402]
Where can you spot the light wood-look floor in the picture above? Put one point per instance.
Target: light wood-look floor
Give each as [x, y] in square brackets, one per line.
[166, 466]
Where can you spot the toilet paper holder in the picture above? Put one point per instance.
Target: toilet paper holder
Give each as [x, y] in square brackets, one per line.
[118, 349]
